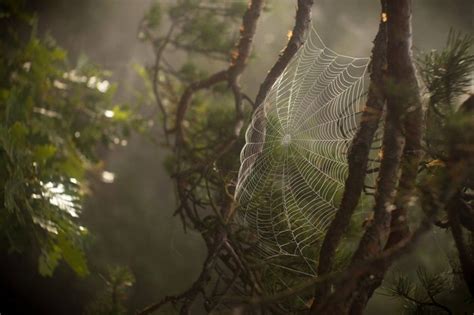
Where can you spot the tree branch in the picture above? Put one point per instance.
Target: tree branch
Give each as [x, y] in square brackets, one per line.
[215, 241]
[302, 24]
[401, 92]
[358, 156]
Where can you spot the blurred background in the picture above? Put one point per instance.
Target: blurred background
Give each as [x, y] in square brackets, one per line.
[131, 219]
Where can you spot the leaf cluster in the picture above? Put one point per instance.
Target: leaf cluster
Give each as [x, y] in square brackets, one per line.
[447, 75]
[53, 118]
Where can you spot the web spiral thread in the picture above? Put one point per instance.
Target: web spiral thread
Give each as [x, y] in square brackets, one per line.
[294, 162]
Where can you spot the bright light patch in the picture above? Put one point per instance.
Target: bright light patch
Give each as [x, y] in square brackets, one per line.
[59, 85]
[103, 86]
[289, 34]
[27, 66]
[46, 224]
[109, 113]
[92, 82]
[74, 77]
[57, 196]
[108, 177]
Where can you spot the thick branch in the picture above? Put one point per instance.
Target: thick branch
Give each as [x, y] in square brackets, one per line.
[459, 213]
[302, 24]
[243, 47]
[358, 156]
[413, 129]
[187, 96]
[406, 84]
[435, 194]
[216, 240]
[350, 277]
[466, 260]
[402, 97]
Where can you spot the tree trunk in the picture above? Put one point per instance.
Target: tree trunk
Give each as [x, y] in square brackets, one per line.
[402, 125]
[358, 158]
[403, 93]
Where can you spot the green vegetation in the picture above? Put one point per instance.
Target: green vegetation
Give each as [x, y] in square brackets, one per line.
[54, 118]
[58, 116]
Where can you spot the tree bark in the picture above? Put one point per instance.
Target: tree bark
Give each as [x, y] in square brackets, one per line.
[403, 93]
[459, 214]
[358, 158]
[302, 23]
[358, 155]
[466, 260]
[403, 110]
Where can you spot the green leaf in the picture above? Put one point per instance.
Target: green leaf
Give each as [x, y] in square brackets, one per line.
[48, 261]
[121, 114]
[72, 167]
[73, 255]
[18, 132]
[42, 153]
[153, 16]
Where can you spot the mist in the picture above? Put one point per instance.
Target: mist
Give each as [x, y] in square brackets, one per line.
[132, 220]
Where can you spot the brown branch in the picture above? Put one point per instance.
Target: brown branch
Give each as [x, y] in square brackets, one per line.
[468, 105]
[358, 156]
[393, 140]
[412, 153]
[242, 50]
[187, 96]
[403, 100]
[401, 92]
[466, 260]
[239, 57]
[216, 240]
[302, 23]
[351, 276]
[155, 80]
[436, 192]
[459, 212]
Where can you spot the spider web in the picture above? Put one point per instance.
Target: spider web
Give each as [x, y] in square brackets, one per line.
[294, 162]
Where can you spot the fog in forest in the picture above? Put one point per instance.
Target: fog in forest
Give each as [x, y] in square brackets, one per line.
[131, 220]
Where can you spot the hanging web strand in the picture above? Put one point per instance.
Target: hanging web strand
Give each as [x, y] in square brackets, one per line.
[294, 162]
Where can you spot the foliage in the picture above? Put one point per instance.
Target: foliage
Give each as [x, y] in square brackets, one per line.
[205, 179]
[53, 118]
[112, 300]
[448, 137]
[201, 27]
[200, 30]
[449, 124]
[447, 75]
[421, 296]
